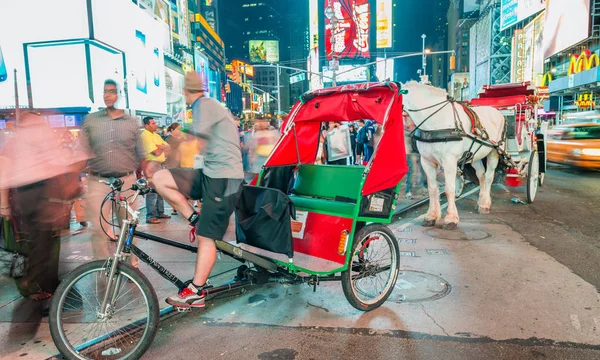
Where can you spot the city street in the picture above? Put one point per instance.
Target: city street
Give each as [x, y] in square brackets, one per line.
[519, 283]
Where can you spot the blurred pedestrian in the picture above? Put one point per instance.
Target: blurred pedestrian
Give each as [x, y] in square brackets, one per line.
[155, 149]
[261, 145]
[353, 143]
[68, 143]
[174, 139]
[361, 139]
[36, 182]
[113, 139]
[370, 140]
[335, 143]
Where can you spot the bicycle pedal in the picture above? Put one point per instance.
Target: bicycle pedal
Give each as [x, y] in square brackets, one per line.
[182, 309]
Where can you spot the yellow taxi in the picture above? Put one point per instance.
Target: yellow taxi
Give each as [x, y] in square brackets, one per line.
[575, 144]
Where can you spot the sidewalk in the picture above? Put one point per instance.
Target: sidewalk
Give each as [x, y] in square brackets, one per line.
[24, 334]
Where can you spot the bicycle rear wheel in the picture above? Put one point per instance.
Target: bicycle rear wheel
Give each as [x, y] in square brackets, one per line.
[124, 331]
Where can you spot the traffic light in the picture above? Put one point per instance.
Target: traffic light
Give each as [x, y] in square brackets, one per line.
[453, 62]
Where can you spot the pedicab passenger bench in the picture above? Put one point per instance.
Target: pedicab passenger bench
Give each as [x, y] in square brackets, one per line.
[324, 198]
[330, 189]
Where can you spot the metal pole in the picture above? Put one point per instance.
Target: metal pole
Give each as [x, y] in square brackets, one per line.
[17, 107]
[278, 92]
[424, 56]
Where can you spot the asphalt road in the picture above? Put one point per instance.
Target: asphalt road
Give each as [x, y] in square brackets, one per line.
[563, 223]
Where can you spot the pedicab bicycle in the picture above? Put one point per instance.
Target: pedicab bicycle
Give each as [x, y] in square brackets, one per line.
[525, 152]
[301, 223]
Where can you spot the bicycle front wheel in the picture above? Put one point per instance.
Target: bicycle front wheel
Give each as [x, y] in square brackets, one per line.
[125, 330]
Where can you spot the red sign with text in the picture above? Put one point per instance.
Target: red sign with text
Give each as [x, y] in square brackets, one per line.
[347, 28]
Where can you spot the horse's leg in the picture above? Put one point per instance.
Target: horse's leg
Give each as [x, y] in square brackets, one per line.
[450, 165]
[480, 172]
[486, 200]
[435, 212]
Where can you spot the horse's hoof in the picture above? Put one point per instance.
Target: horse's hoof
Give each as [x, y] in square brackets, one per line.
[428, 223]
[484, 211]
[450, 226]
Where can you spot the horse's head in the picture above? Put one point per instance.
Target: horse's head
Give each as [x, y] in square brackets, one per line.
[420, 97]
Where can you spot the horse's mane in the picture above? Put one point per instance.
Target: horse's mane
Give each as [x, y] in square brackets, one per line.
[428, 89]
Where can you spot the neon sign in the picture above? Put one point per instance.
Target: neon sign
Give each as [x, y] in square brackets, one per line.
[582, 62]
[585, 101]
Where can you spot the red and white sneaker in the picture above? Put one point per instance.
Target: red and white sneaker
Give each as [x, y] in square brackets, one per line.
[187, 298]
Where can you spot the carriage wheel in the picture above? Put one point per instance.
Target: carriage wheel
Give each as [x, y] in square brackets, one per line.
[533, 176]
[373, 268]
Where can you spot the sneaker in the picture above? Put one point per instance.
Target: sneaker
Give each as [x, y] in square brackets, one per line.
[188, 297]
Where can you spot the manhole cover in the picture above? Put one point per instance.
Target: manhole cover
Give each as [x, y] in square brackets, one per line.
[462, 233]
[417, 286]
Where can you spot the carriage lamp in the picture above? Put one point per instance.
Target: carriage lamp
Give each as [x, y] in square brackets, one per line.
[342, 246]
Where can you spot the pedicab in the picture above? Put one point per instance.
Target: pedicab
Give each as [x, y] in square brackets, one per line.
[300, 223]
[525, 150]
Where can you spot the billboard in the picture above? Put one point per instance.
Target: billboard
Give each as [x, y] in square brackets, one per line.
[567, 23]
[513, 11]
[470, 6]
[126, 27]
[346, 73]
[176, 107]
[518, 56]
[347, 28]
[264, 51]
[384, 24]
[16, 29]
[313, 9]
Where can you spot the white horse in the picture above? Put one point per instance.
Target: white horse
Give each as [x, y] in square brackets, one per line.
[429, 110]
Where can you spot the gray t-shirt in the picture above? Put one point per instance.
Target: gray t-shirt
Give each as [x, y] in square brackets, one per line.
[222, 154]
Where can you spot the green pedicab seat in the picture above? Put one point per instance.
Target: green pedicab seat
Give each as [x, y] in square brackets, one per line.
[327, 188]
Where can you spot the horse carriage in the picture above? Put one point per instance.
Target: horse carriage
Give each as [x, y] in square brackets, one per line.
[525, 148]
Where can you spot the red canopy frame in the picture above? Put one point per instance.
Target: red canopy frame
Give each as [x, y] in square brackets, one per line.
[381, 102]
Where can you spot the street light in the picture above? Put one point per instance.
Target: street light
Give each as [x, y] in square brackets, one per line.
[424, 56]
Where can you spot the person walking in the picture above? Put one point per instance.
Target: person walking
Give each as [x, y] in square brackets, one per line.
[38, 180]
[155, 149]
[112, 138]
[174, 139]
[361, 139]
[352, 144]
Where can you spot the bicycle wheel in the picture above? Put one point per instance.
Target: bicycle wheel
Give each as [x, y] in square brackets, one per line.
[125, 331]
[375, 263]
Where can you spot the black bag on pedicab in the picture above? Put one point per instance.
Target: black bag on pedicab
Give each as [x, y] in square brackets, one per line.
[263, 219]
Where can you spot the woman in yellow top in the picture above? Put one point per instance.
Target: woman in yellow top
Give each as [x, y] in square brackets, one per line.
[188, 149]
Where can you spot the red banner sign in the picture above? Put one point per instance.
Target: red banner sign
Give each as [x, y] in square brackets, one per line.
[347, 28]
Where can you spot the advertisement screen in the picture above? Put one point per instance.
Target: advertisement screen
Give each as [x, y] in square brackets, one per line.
[384, 24]
[514, 11]
[128, 28]
[176, 107]
[202, 67]
[29, 16]
[385, 69]
[347, 28]
[313, 9]
[346, 73]
[470, 6]
[567, 23]
[264, 51]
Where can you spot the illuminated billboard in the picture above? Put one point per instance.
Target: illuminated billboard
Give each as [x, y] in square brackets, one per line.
[514, 11]
[347, 28]
[313, 9]
[264, 51]
[567, 23]
[346, 74]
[384, 24]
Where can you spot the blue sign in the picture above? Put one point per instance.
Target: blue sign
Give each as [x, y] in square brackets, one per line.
[509, 14]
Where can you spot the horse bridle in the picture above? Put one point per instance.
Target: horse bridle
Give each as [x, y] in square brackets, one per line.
[443, 103]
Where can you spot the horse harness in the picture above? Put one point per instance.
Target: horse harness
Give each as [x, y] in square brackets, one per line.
[478, 133]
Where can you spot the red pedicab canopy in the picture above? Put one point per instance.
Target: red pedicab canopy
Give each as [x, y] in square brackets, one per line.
[381, 102]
